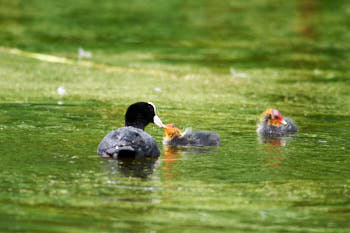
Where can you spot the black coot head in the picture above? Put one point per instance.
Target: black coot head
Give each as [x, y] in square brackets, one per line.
[140, 114]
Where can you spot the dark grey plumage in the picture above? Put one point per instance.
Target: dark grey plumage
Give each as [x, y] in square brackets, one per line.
[129, 142]
[271, 130]
[199, 138]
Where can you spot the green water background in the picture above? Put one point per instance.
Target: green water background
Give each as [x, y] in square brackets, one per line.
[209, 65]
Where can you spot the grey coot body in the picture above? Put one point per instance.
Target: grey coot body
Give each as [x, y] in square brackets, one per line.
[132, 141]
[272, 123]
[174, 136]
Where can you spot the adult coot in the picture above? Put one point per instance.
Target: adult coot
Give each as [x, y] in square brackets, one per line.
[132, 141]
[174, 136]
[272, 123]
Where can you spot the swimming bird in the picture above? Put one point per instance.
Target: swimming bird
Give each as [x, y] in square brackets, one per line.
[174, 136]
[272, 123]
[132, 141]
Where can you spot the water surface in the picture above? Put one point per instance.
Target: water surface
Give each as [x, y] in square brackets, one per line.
[206, 65]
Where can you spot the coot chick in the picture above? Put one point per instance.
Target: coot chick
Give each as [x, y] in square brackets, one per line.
[272, 123]
[174, 136]
[132, 141]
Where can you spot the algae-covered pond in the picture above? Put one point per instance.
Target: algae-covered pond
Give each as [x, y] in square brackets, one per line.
[209, 65]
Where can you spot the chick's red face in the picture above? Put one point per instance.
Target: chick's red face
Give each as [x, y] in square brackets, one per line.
[276, 118]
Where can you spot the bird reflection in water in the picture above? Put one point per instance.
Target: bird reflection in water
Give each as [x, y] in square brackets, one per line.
[174, 154]
[273, 148]
[131, 167]
[171, 155]
[307, 12]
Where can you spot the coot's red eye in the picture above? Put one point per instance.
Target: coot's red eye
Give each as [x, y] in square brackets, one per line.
[276, 117]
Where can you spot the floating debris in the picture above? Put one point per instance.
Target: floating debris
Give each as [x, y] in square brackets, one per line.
[61, 91]
[83, 53]
[238, 74]
[157, 89]
[317, 72]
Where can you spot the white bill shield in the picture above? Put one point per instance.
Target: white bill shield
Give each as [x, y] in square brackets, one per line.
[157, 121]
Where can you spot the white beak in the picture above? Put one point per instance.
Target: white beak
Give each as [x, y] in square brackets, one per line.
[284, 122]
[157, 121]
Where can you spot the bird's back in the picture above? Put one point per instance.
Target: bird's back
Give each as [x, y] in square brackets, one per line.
[128, 141]
[206, 138]
[199, 138]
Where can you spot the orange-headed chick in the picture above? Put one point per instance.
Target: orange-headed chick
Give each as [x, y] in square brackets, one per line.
[172, 131]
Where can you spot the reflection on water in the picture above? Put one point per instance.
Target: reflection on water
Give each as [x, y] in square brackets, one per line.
[143, 167]
[306, 11]
[171, 155]
[272, 146]
[130, 167]
[277, 140]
